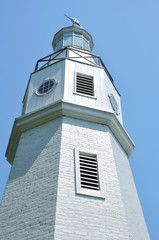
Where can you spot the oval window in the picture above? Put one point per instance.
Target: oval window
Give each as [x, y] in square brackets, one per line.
[46, 87]
[114, 103]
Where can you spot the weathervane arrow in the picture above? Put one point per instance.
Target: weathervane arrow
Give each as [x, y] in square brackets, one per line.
[73, 20]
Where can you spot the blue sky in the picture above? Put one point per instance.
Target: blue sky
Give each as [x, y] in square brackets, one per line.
[126, 37]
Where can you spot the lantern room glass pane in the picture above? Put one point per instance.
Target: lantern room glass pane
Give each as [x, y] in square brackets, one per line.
[75, 39]
[67, 41]
[85, 44]
[78, 41]
[67, 34]
[59, 44]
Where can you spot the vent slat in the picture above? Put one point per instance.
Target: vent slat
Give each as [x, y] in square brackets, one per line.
[88, 164]
[89, 180]
[84, 87]
[80, 88]
[90, 187]
[87, 157]
[84, 84]
[83, 168]
[85, 93]
[84, 77]
[87, 161]
[88, 171]
[88, 168]
[87, 183]
[89, 175]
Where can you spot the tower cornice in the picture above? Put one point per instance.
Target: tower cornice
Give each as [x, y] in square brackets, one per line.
[66, 109]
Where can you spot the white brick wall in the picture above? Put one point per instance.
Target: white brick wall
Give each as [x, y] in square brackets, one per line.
[135, 218]
[40, 192]
[29, 203]
[82, 217]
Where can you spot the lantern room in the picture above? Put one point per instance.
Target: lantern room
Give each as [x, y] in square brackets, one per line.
[73, 36]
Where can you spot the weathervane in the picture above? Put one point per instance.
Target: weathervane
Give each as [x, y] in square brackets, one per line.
[73, 20]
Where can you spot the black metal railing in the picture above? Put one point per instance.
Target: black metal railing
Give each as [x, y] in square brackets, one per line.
[89, 57]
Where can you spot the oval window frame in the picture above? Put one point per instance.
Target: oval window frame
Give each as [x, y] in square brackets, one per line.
[51, 89]
[111, 102]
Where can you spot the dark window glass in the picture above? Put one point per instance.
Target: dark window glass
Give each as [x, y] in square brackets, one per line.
[46, 87]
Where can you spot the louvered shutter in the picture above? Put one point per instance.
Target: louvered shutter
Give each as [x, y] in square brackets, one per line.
[88, 171]
[84, 84]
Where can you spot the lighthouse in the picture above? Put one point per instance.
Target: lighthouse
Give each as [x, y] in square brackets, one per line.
[69, 151]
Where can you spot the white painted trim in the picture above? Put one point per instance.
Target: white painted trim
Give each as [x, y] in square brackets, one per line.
[84, 95]
[67, 109]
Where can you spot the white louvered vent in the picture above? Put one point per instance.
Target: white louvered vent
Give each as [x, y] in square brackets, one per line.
[88, 171]
[84, 84]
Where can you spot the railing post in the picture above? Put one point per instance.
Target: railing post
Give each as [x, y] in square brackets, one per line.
[66, 52]
[99, 61]
[36, 67]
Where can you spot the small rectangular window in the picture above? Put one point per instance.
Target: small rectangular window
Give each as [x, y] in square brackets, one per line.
[84, 84]
[87, 173]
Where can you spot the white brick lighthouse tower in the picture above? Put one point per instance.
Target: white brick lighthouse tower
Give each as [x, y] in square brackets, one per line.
[70, 177]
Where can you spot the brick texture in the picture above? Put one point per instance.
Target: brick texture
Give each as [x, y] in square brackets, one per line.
[29, 203]
[40, 200]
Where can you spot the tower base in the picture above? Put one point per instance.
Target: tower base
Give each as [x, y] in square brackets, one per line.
[41, 199]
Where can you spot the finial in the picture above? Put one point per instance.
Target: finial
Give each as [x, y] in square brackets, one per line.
[73, 20]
